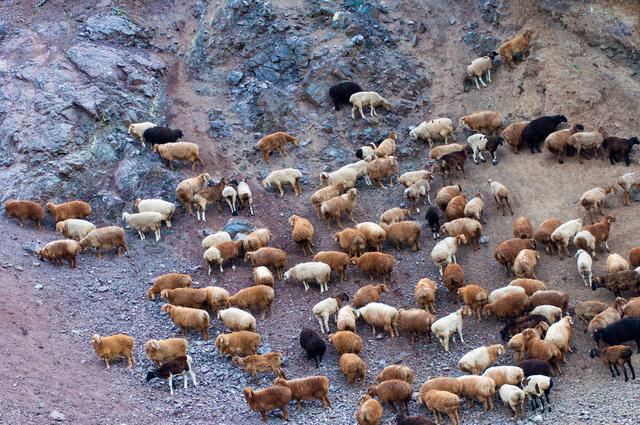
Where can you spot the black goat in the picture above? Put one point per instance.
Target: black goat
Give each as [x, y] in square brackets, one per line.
[538, 129]
[178, 366]
[341, 92]
[433, 218]
[626, 329]
[161, 135]
[619, 147]
[313, 345]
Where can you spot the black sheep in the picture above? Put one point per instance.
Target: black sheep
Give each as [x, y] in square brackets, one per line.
[401, 419]
[161, 135]
[178, 366]
[619, 147]
[341, 92]
[433, 218]
[538, 129]
[519, 324]
[313, 345]
[535, 367]
[626, 329]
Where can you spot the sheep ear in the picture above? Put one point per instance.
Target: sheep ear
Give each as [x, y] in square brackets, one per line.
[537, 389]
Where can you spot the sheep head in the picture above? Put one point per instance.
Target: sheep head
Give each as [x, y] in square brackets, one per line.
[382, 287]
[293, 219]
[634, 141]
[164, 294]
[373, 390]
[248, 394]
[280, 381]
[51, 206]
[460, 239]
[351, 194]
[96, 340]
[529, 334]
[60, 227]
[247, 257]
[154, 344]
[155, 148]
[465, 311]
[528, 33]
[166, 308]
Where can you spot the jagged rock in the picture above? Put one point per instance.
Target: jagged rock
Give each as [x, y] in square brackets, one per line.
[238, 225]
[115, 27]
[235, 77]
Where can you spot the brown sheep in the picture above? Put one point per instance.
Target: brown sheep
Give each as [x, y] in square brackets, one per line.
[369, 411]
[373, 233]
[187, 188]
[327, 193]
[353, 367]
[517, 45]
[587, 310]
[276, 141]
[632, 308]
[269, 399]
[351, 240]
[486, 122]
[426, 294]
[259, 297]
[475, 297]
[525, 263]
[394, 215]
[543, 350]
[338, 261]
[394, 391]
[511, 305]
[513, 134]
[455, 207]
[189, 318]
[443, 402]
[507, 251]
[114, 347]
[446, 194]
[556, 298]
[163, 350]
[608, 316]
[600, 231]
[269, 257]
[72, 209]
[256, 240]
[208, 195]
[346, 342]
[241, 343]
[368, 294]
[57, 251]
[451, 162]
[530, 286]
[24, 210]
[443, 383]
[396, 371]
[179, 151]
[375, 264]
[335, 207]
[634, 257]
[187, 297]
[453, 278]
[500, 195]
[417, 322]
[479, 387]
[475, 208]
[263, 276]
[522, 228]
[544, 232]
[470, 228]
[105, 238]
[382, 168]
[302, 232]
[403, 233]
[254, 363]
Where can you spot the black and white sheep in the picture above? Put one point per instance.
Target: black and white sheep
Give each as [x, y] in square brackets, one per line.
[538, 129]
[179, 366]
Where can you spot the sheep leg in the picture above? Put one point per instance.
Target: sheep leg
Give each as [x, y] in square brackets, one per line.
[481, 155]
[170, 379]
[141, 235]
[613, 370]
[633, 372]
[157, 232]
[353, 110]
[475, 79]
[373, 111]
[475, 155]
[606, 245]
[495, 158]
[360, 110]
[460, 334]
[373, 330]
[481, 81]
[168, 223]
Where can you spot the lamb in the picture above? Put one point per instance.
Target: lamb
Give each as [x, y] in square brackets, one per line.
[511, 305]
[394, 391]
[269, 257]
[136, 130]
[396, 371]
[410, 177]
[446, 327]
[426, 294]
[71, 209]
[373, 233]
[535, 367]
[627, 182]
[382, 315]
[453, 278]
[213, 256]
[309, 388]
[144, 222]
[517, 342]
[279, 178]
[276, 141]
[615, 356]
[475, 297]
[507, 251]
[540, 349]
[341, 92]
[607, 316]
[475, 208]
[394, 215]
[525, 263]
[593, 200]
[242, 343]
[585, 241]
[634, 256]
[443, 402]
[488, 122]
[368, 294]
[479, 387]
[346, 320]
[168, 281]
[158, 135]
[513, 397]
[367, 98]
[104, 238]
[403, 233]
[235, 319]
[382, 168]
[479, 143]
[257, 239]
[263, 276]
[619, 147]
[469, 228]
[479, 359]
[269, 399]
[625, 329]
[601, 231]
[419, 189]
[517, 325]
[167, 209]
[535, 386]
[563, 234]
[313, 345]
[556, 142]
[502, 292]
[504, 375]
[317, 272]
[480, 66]
[353, 367]
[163, 350]
[417, 322]
[230, 195]
[587, 140]
[616, 263]
[202, 298]
[337, 261]
[188, 318]
[347, 175]
[180, 151]
[369, 411]
[375, 264]
[327, 193]
[439, 151]
[346, 342]
[259, 297]
[438, 127]
[617, 282]
[113, 347]
[446, 194]
[530, 286]
[329, 307]
[556, 298]
[500, 195]
[455, 207]
[513, 134]
[57, 251]
[551, 312]
[210, 194]
[544, 232]
[176, 366]
[302, 232]
[517, 45]
[254, 363]
[539, 129]
[24, 210]
[453, 161]
[335, 207]
[351, 240]
[559, 334]
[187, 188]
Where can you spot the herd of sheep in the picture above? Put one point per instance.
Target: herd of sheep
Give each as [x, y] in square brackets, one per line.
[538, 319]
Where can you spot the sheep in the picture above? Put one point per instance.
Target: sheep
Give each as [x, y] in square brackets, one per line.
[401, 419]
[617, 282]
[627, 182]
[539, 129]
[71, 209]
[563, 234]
[585, 241]
[382, 315]
[453, 278]
[317, 272]
[113, 347]
[341, 92]
[230, 195]
[455, 207]
[480, 66]
[513, 134]
[395, 215]
[443, 402]
[309, 388]
[479, 359]
[615, 356]
[469, 228]
[453, 161]
[163, 350]
[327, 193]
[368, 294]
[551, 312]
[302, 232]
[619, 147]
[394, 391]
[23, 210]
[556, 142]
[144, 222]
[329, 307]
[513, 397]
[176, 366]
[351, 240]
[411, 177]
[382, 168]
[525, 263]
[276, 141]
[353, 367]
[498, 294]
[346, 175]
[373, 233]
[387, 147]
[517, 45]
[213, 256]
[167, 209]
[559, 334]
[375, 264]
[104, 238]
[544, 232]
[504, 375]
[442, 383]
[488, 122]
[336, 206]
[235, 319]
[346, 342]
[540, 349]
[446, 194]
[168, 281]
[607, 316]
[522, 228]
[180, 151]
[366, 152]
[593, 200]
[535, 367]
[279, 178]
[475, 208]
[369, 411]
[600, 231]
[417, 190]
[535, 386]
[632, 308]
[587, 310]
[556, 298]
[259, 296]
[346, 319]
[254, 363]
[60, 250]
[625, 329]
[446, 327]
[241, 343]
[530, 286]
[439, 151]
[187, 188]
[500, 195]
[229, 251]
[188, 318]
[587, 140]
[262, 276]
[479, 143]
[337, 261]
[425, 293]
[313, 345]
[517, 342]
[517, 325]
[136, 130]
[257, 239]
[274, 258]
[269, 399]
[634, 256]
[479, 387]
[417, 322]
[396, 371]
[475, 297]
[210, 194]
[616, 263]
[403, 233]
[438, 127]
[507, 251]
[367, 98]
[158, 135]
[361, 168]
[201, 298]
[433, 220]
[511, 305]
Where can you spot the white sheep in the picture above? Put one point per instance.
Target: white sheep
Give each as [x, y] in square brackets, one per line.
[381, 315]
[310, 272]
[367, 98]
[362, 170]
[230, 195]
[446, 327]
[502, 375]
[325, 309]
[513, 397]
[167, 209]
[500, 293]
[419, 189]
[75, 228]
[500, 195]
[346, 320]
[563, 234]
[137, 130]
[439, 127]
[559, 334]
[584, 266]
[584, 239]
[551, 312]
[144, 222]
[479, 359]
[216, 239]
[213, 256]
[236, 320]
[479, 66]
[289, 176]
[345, 174]
[410, 177]
[444, 252]
[245, 196]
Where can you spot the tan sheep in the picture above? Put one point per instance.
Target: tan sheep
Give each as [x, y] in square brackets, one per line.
[446, 194]
[187, 188]
[500, 195]
[352, 241]
[338, 261]
[593, 200]
[479, 359]
[74, 228]
[353, 367]
[373, 233]
[525, 263]
[367, 98]
[168, 281]
[396, 371]
[453, 278]
[488, 122]
[513, 134]
[263, 276]
[410, 177]
[335, 207]
[468, 227]
[279, 178]
[276, 141]
[113, 347]
[381, 315]
[394, 215]
[507, 251]
[302, 232]
[394, 391]
[71, 209]
[425, 293]
[616, 263]
[475, 297]
[61, 250]
[327, 193]
[475, 208]
[241, 343]
[522, 228]
[382, 168]
[189, 318]
[544, 232]
[24, 210]
[443, 402]
[417, 322]
[255, 297]
[269, 257]
[559, 334]
[235, 319]
[455, 207]
[369, 411]
[403, 233]
[542, 350]
[347, 175]
[530, 286]
[310, 272]
[511, 305]
[479, 387]
[255, 240]
[346, 342]
[105, 238]
[144, 222]
[517, 45]
[439, 151]
[179, 151]
[187, 297]
[429, 130]
[254, 363]
[163, 350]
[368, 294]
[346, 319]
